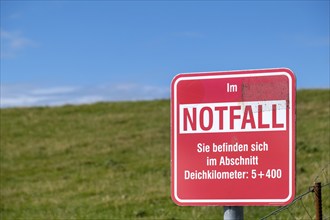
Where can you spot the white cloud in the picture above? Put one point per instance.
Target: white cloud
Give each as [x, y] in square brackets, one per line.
[12, 42]
[54, 90]
[27, 95]
[88, 99]
[21, 100]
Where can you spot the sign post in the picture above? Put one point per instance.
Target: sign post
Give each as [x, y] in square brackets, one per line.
[233, 213]
[233, 138]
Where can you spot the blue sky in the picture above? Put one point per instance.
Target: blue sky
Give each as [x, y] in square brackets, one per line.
[73, 52]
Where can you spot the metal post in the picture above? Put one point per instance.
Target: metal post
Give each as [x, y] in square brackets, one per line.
[233, 213]
[318, 201]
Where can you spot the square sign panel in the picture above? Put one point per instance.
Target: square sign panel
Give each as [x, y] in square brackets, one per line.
[233, 138]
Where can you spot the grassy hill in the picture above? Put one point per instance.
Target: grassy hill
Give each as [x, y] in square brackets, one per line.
[112, 160]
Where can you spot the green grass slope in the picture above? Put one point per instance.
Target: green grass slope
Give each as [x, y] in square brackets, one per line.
[112, 160]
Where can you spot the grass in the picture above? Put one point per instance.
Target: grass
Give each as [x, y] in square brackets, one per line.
[112, 161]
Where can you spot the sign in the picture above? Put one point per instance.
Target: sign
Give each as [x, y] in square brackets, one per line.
[233, 138]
